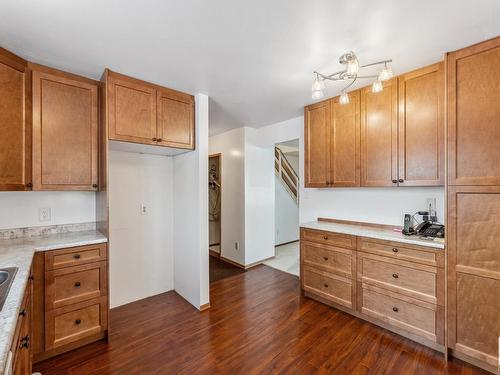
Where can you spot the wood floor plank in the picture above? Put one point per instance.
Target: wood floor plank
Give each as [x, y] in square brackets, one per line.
[258, 323]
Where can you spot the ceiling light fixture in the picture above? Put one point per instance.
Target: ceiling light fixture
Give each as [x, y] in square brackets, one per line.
[351, 72]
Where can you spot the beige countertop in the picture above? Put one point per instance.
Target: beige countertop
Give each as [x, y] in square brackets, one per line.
[374, 232]
[19, 253]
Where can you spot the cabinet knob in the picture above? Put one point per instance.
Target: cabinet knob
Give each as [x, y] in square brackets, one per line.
[154, 139]
[394, 181]
[22, 312]
[395, 309]
[325, 285]
[78, 321]
[395, 275]
[76, 256]
[77, 284]
[95, 186]
[325, 258]
[159, 140]
[29, 185]
[394, 250]
[401, 180]
[325, 237]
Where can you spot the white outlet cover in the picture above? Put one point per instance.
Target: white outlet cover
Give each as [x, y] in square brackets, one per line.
[44, 214]
[144, 209]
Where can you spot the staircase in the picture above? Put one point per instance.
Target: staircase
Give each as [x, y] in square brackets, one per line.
[286, 174]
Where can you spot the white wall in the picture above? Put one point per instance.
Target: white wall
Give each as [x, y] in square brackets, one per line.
[141, 246]
[191, 214]
[231, 145]
[20, 209]
[259, 198]
[286, 215]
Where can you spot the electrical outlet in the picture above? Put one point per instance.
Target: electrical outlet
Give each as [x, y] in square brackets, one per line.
[44, 214]
[236, 245]
[144, 209]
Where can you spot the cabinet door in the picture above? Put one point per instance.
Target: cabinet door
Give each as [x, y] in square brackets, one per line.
[65, 130]
[474, 114]
[15, 124]
[379, 138]
[421, 127]
[175, 120]
[474, 272]
[131, 109]
[345, 142]
[317, 144]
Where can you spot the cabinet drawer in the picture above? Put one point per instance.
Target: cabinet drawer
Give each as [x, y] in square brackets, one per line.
[328, 238]
[329, 286]
[399, 277]
[75, 256]
[411, 315]
[73, 323]
[402, 251]
[71, 285]
[328, 258]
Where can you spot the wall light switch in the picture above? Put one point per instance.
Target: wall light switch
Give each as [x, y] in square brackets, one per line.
[44, 214]
[144, 209]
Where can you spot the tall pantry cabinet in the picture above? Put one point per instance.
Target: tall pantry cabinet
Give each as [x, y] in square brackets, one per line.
[473, 223]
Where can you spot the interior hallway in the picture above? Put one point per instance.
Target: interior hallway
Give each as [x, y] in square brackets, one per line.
[287, 258]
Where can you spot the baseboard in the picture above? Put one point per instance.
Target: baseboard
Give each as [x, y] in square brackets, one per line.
[239, 265]
[286, 243]
[259, 262]
[205, 306]
[245, 267]
[213, 253]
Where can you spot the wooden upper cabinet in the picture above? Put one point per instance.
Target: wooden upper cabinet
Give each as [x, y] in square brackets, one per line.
[131, 109]
[175, 119]
[474, 114]
[15, 123]
[317, 144]
[65, 131]
[345, 141]
[421, 127]
[379, 136]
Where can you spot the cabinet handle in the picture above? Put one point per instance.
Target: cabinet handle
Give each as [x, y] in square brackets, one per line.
[395, 309]
[29, 185]
[78, 321]
[160, 140]
[22, 312]
[154, 139]
[401, 180]
[77, 284]
[325, 258]
[394, 181]
[76, 256]
[395, 275]
[394, 250]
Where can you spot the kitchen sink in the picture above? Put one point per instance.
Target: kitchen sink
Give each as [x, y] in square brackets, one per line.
[6, 278]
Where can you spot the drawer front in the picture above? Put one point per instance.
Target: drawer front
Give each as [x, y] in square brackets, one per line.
[329, 286]
[412, 316]
[328, 258]
[75, 256]
[71, 285]
[402, 251]
[328, 238]
[417, 283]
[73, 323]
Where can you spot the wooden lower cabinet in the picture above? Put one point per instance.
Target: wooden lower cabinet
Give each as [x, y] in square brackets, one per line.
[70, 299]
[21, 344]
[395, 285]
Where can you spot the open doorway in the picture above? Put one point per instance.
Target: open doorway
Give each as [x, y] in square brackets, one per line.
[218, 267]
[286, 217]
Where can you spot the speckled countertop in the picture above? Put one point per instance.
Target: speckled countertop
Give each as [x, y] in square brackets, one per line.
[373, 232]
[19, 253]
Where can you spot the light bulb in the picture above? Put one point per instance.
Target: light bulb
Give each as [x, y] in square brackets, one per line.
[344, 98]
[385, 74]
[317, 88]
[377, 86]
[353, 67]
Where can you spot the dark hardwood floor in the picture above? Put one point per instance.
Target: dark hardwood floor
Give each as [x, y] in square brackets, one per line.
[258, 324]
[221, 270]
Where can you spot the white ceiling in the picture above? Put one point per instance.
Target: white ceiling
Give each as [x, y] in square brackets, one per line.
[253, 58]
